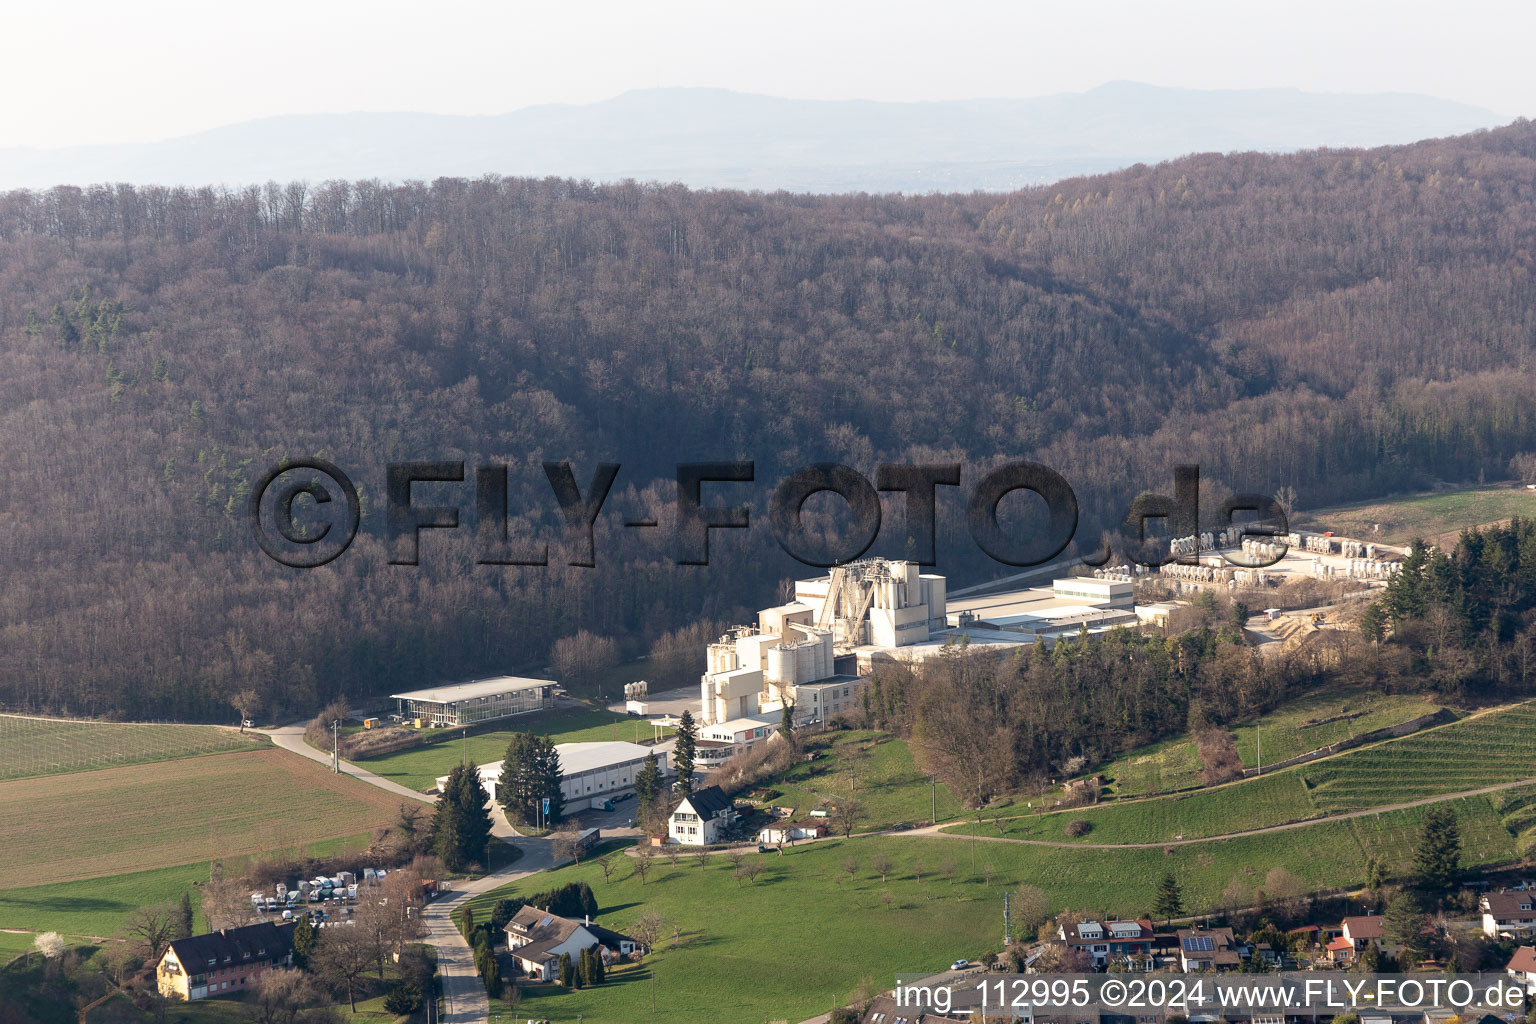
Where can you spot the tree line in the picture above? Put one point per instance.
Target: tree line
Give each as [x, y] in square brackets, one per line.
[1340, 323]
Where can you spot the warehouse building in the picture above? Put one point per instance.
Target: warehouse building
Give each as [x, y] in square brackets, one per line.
[480, 700]
[587, 770]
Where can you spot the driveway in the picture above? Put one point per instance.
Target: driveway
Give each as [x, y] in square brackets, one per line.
[291, 738]
[464, 998]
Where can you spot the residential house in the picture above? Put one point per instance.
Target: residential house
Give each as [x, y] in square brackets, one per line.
[1264, 954]
[1356, 934]
[886, 1010]
[227, 961]
[789, 831]
[943, 1003]
[1361, 931]
[1340, 950]
[701, 817]
[1207, 949]
[536, 939]
[1522, 967]
[1109, 940]
[1508, 913]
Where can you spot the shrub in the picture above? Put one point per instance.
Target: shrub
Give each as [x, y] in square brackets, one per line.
[1079, 827]
[403, 999]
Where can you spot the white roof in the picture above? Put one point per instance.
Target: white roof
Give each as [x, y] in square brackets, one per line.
[579, 757]
[736, 725]
[582, 757]
[471, 690]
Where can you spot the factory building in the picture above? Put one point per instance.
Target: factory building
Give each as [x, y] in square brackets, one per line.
[752, 672]
[803, 653]
[587, 770]
[480, 700]
[875, 602]
[1067, 607]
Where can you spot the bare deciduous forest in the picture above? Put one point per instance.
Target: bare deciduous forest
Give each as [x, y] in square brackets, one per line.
[1345, 323]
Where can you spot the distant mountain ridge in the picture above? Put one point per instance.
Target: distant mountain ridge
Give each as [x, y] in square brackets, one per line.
[716, 138]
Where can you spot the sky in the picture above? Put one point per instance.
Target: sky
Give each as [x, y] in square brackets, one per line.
[109, 72]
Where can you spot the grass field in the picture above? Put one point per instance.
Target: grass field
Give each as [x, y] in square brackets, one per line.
[1304, 724]
[1159, 768]
[1429, 516]
[420, 767]
[145, 816]
[97, 906]
[731, 946]
[1267, 800]
[890, 787]
[32, 747]
[13, 944]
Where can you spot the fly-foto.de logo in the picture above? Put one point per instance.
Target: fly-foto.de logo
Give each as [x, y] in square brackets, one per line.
[307, 534]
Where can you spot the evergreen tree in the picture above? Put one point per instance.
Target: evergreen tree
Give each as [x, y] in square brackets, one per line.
[1405, 923]
[1375, 873]
[567, 972]
[648, 785]
[683, 752]
[1369, 960]
[444, 839]
[403, 999]
[547, 772]
[461, 825]
[787, 721]
[599, 972]
[514, 790]
[474, 816]
[584, 970]
[530, 773]
[1170, 899]
[184, 917]
[303, 941]
[1437, 861]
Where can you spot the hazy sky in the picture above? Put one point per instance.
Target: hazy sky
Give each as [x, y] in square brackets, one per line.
[98, 71]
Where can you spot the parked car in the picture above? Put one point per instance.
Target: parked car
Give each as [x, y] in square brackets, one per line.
[960, 965]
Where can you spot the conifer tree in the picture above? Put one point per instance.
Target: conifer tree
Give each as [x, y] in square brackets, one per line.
[683, 752]
[1170, 898]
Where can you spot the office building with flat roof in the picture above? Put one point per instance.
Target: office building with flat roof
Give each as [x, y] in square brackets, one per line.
[477, 701]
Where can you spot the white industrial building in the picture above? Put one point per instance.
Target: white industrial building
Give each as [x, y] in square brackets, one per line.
[587, 770]
[805, 652]
[875, 602]
[1037, 614]
[477, 701]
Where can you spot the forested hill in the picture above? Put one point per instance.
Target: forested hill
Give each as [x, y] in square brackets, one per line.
[1346, 323]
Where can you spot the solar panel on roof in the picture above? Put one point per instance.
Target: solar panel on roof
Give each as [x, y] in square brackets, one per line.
[1199, 944]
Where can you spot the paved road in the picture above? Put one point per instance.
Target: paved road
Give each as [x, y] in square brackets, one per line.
[930, 831]
[464, 999]
[291, 738]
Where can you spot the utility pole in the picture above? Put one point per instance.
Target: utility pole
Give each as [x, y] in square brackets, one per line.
[934, 781]
[464, 747]
[1006, 924]
[1258, 739]
[336, 747]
